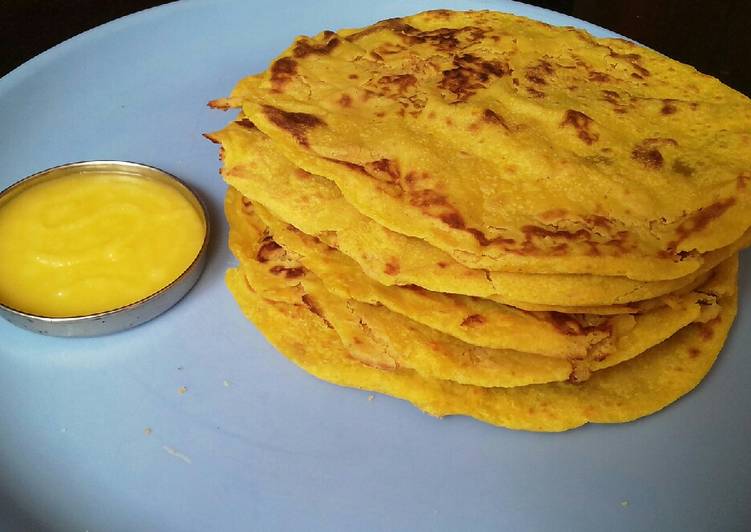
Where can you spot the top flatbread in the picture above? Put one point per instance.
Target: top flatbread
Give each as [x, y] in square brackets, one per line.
[514, 145]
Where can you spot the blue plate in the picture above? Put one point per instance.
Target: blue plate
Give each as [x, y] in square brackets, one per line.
[95, 434]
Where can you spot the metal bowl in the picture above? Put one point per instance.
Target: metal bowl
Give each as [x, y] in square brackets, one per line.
[121, 318]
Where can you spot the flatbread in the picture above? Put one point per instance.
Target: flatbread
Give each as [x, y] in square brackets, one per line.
[516, 146]
[623, 393]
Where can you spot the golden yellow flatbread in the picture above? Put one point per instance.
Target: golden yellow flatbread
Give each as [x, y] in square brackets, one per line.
[315, 205]
[516, 146]
[400, 334]
[623, 393]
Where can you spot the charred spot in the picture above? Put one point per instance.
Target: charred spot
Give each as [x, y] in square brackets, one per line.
[741, 182]
[392, 267]
[441, 264]
[484, 241]
[537, 73]
[282, 72]
[345, 100]
[533, 231]
[384, 170]
[706, 331]
[598, 77]
[668, 107]
[647, 154]
[288, 273]
[296, 124]
[353, 76]
[491, 117]
[246, 123]
[535, 93]
[611, 97]
[699, 220]
[305, 47]
[680, 167]
[693, 352]
[453, 219]
[309, 302]
[635, 61]
[400, 82]
[473, 320]
[268, 250]
[470, 74]
[583, 125]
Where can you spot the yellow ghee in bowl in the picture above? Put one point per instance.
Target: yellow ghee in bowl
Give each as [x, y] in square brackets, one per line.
[90, 242]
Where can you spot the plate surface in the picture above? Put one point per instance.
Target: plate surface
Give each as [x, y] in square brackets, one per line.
[96, 434]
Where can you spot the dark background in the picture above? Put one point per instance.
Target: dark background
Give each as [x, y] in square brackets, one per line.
[713, 36]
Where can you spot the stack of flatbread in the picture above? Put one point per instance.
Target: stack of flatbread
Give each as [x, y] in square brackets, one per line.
[487, 215]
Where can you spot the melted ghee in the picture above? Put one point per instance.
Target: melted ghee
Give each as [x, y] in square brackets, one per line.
[91, 242]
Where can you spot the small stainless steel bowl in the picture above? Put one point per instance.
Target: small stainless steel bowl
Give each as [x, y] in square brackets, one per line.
[121, 318]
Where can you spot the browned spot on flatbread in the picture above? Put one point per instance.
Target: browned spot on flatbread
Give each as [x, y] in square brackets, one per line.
[353, 76]
[305, 47]
[539, 72]
[540, 232]
[315, 309]
[384, 170]
[693, 352]
[598, 77]
[470, 74]
[491, 117]
[582, 124]
[296, 124]
[345, 100]
[267, 250]
[668, 107]
[535, 93]
[635, 61]
[246, 123]
[699, 220]
[282, 72]
[648, 155]
[441, 264]
[288, 273]
[706, 330]
[392, 267]
[473, 320]
[399, 83]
